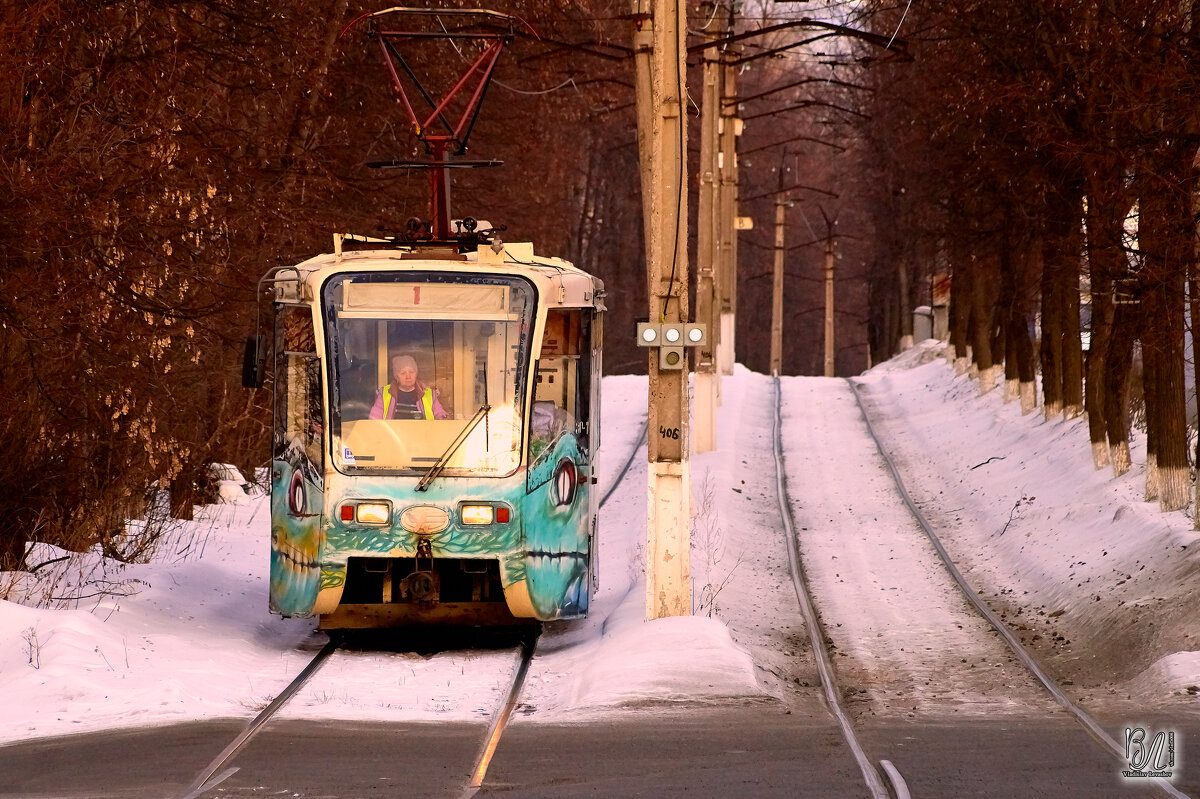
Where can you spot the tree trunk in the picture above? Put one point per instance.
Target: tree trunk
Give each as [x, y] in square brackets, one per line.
[1167, 243]
[183, 498]
[1052, 326]
[1106, 260]
[1150, 405]
[1118, 363]
[983, 314]
[1072, 341]
[1194, 308]
[1028, 277]
[904, 299]
[1062, 254]
[960, 313]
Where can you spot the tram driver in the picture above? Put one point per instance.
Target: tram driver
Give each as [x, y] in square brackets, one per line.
[406, 397]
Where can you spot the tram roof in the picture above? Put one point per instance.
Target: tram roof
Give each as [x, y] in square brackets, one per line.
[559, 282]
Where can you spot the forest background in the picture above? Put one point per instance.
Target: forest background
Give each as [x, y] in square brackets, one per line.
[157, 158]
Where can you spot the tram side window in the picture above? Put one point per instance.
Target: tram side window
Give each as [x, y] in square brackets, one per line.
[299, 409]
[563, 390]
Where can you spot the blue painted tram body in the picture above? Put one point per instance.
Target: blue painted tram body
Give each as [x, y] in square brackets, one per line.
[484, 516]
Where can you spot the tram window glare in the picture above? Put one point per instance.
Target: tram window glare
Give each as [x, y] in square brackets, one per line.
[478, 514]
[372, 513]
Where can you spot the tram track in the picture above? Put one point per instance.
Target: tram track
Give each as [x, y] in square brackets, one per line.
[873, 778]
[215, 772]
[220, 769]
[820, 651]
[1094, 729]
[502, 715]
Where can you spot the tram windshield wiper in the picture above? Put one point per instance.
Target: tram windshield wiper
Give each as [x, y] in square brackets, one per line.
[438, 467]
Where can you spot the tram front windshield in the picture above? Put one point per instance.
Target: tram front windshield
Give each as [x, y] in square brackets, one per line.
[418, 360]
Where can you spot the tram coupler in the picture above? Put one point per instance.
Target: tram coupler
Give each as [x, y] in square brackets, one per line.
[423, 585]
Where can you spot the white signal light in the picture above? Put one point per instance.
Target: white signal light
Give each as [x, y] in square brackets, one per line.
[648, 334]
[672, 334]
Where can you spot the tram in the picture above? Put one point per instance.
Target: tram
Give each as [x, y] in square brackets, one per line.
[473, 501]
[436, 396]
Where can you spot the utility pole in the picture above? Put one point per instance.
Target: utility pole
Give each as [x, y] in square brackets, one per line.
[829, 257]
[727, 165]
[781, 205]
[707, 382]
[662, 146]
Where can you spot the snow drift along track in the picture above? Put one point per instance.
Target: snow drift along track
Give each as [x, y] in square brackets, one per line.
[1090, 724]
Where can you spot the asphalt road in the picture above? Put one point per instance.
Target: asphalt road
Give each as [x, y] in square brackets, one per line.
[737, 751]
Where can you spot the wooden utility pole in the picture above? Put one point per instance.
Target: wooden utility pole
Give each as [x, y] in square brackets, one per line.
[829, 258]
[707, 382]
[781, 204]
[658, 43]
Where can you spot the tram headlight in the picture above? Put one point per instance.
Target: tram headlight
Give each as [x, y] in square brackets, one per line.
[480, 513]
[477, 514]
[372, 513]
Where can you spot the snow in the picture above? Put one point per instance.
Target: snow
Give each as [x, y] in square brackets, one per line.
[1102, 585]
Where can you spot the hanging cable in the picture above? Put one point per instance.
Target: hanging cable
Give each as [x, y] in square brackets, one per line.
[898, 24]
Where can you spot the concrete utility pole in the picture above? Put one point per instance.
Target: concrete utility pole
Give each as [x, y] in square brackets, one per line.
[829, 257]
[727, 166]
[781, 205]
[658, 43]
[707, 382]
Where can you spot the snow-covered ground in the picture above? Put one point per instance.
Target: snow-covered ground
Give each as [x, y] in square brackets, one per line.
[1105, 587]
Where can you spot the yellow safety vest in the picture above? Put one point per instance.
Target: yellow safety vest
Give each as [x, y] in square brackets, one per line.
[426, 401]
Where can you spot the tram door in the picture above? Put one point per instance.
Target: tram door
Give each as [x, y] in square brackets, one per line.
[297, 465]
[561, 450]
